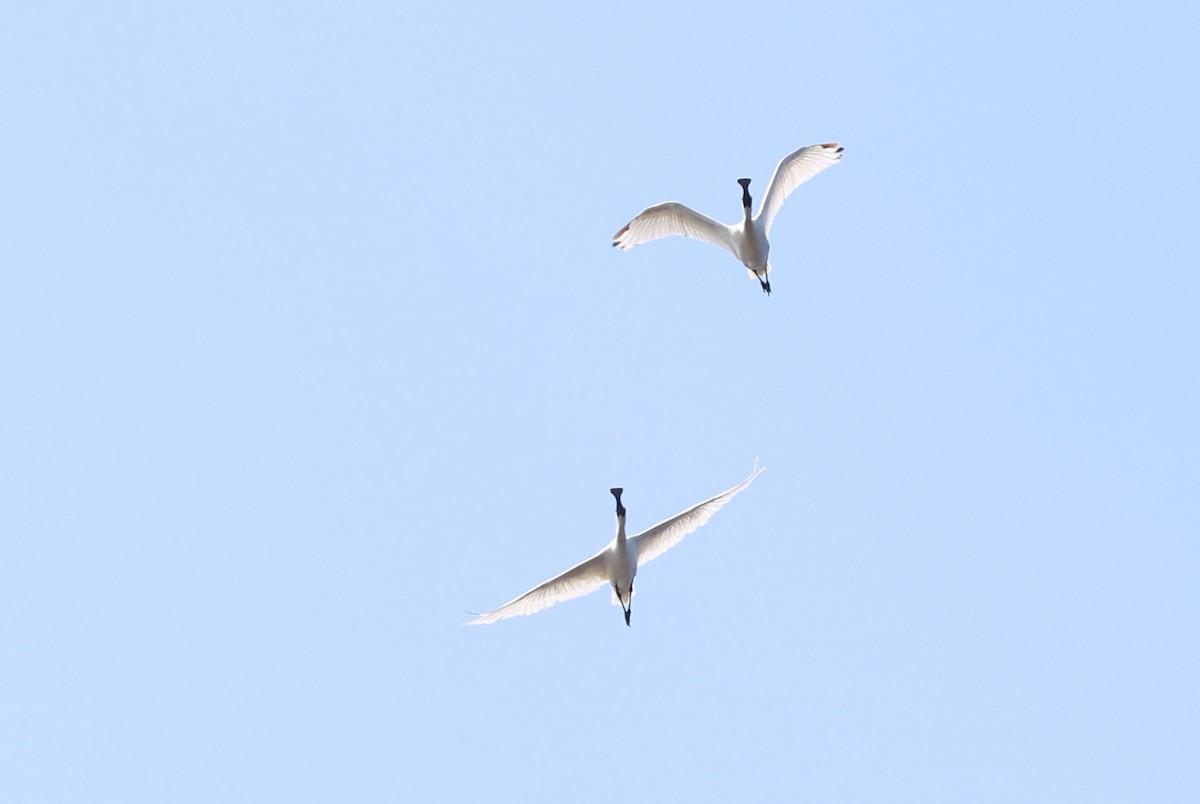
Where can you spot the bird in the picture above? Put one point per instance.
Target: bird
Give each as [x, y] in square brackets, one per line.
[746, 239]
[618, 563]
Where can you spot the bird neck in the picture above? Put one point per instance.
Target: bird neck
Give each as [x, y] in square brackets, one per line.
[620, 530]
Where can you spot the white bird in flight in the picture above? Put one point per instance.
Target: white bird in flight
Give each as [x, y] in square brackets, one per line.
[618, 562]
[746, 239]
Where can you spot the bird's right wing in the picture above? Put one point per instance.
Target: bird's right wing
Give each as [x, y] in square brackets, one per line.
[657, 540]
[792, 171]
[584, 577]
[672, 218]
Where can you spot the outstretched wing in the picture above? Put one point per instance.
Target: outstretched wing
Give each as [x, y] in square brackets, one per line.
[657, 540]
[672, 218]
[584, 577]
[792, 171]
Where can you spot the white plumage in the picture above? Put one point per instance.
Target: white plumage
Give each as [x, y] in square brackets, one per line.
[618, 563]
[746, 239]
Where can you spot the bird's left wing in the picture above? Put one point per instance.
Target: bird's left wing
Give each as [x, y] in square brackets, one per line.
[792, 171]
[586, 576]
[657, 540]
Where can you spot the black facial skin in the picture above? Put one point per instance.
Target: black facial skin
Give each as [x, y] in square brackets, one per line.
[617, 493]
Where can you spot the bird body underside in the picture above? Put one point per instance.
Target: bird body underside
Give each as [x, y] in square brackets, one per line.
[751, 248]
[620, 562]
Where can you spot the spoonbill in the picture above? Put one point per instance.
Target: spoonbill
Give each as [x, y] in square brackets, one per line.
[746, 239]
[618, 563]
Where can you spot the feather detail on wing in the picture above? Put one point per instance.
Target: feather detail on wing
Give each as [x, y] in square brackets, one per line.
[792, 171]
[584, 577]
[655, 541]
[672, 218]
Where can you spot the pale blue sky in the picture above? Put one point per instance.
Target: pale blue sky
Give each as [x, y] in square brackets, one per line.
[311, 339]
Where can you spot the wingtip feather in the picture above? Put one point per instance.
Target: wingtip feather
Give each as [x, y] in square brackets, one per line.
[617, 237]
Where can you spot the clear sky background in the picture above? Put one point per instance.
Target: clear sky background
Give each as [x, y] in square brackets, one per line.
[312, 339]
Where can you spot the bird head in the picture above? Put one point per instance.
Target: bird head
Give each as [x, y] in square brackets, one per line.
[617, 492]
[745, 191]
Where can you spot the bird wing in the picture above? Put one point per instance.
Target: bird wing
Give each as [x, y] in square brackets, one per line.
[655, 541]
[584, 577]
[672, 218]
[792, 171]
